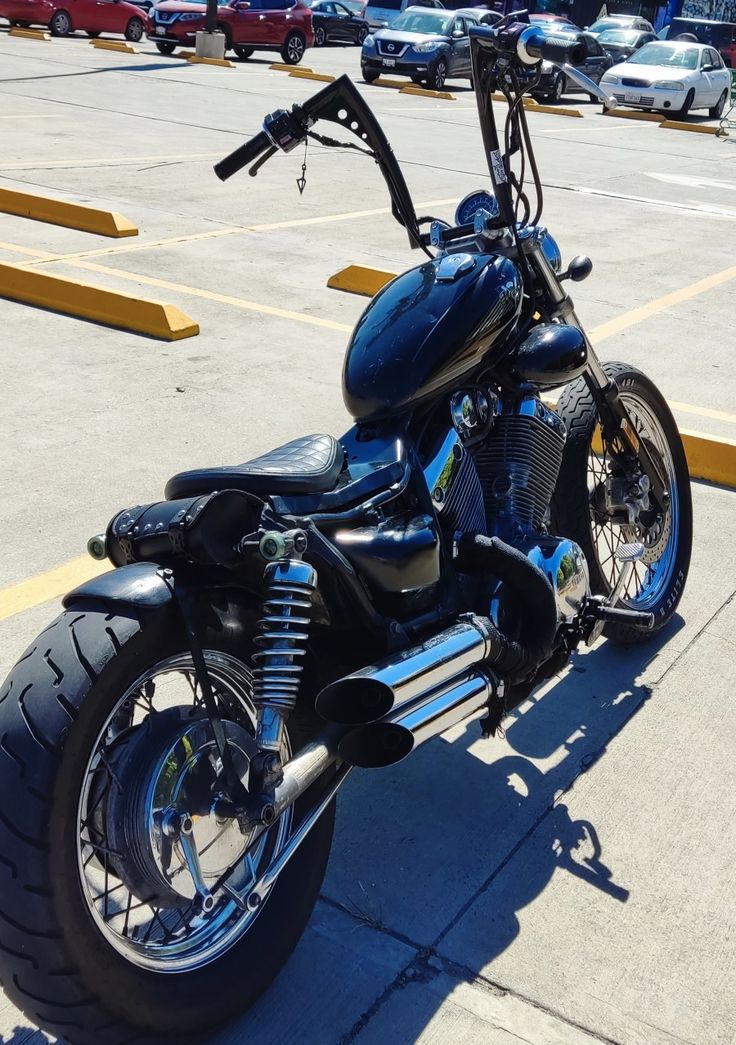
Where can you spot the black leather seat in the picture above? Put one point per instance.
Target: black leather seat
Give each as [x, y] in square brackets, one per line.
[310, 464]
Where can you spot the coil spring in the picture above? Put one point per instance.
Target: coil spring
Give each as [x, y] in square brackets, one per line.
[284, 631]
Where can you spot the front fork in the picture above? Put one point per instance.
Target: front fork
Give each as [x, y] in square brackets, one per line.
[616, 425]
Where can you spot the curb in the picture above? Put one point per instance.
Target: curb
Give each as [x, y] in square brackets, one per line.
[635, 114]
[307, 74]
[710, 458]
[424, 92]
[359, 279]
[382, 81]
[222, 62]
[280, 67]
[678, 125]
[113, 45]
[85, 301]
[554, 110]
[29, 34]
[70, 215]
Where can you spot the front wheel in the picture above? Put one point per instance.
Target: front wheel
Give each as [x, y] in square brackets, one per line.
[687, 104]
[60, 24]
[592, 472]
[369, 76]
[293, 50]
[165, 46]
[437, 75]
[558, 88]
[242, 52]
[103, 733]
[360, 38]
[320, 38]
[134, 30]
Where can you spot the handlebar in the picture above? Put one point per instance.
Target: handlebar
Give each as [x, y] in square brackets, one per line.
[527, 44]
[242, 156]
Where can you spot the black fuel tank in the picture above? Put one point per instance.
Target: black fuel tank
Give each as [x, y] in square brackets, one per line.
[428, 329]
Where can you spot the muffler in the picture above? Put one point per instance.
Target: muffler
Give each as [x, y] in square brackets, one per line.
[383, 743]
[372, 693]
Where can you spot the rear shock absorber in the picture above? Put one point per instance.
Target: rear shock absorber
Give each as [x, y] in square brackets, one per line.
[283, 635]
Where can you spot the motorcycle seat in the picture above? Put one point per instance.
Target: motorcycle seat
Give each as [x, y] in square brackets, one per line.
[310, 464]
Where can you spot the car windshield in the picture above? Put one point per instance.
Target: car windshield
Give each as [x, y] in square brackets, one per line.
[605, 23]
[671, 55]
[422, 22]
[618, 36]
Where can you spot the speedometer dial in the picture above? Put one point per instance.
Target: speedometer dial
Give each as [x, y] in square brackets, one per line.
[473, 204]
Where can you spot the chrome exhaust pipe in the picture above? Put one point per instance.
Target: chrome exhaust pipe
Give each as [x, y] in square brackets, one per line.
[372, 693]
[373, 745]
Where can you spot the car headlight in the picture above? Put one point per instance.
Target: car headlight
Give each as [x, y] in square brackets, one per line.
[369, 41]
[428, 45]
[669, 85]
[609, 78]
[189, 17]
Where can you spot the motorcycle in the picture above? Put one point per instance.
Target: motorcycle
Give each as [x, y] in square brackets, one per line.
[171, 746]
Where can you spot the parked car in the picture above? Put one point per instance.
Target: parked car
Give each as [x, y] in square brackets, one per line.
[248, 25]
[673, 77]
[429, 46]
[553, 83]
[334, 21]
[479, 14]
[381, 13]
[721, 35]
[91, 16]
[621, 43]
[554, 23]
[620, 22]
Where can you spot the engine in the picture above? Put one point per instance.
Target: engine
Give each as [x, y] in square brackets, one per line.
[495, 473]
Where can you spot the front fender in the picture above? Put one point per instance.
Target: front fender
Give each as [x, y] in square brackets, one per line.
[140, 584]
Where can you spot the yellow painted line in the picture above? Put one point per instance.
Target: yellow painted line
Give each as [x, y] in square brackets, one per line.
[677, 297]
[280, 67]
[85, 301]
[40, 255]
[307, 74]
[70, 215]
[222, 62]
[678, 125]
[554, 110]
[49, 585]
[636, 114]
[357, 279]
[703, 411]
[423, 92]
[29, 34]
[113, 45]
[709, 458]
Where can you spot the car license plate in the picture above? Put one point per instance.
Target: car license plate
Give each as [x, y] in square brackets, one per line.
[160, 31]
[389, 62]
[630, 97]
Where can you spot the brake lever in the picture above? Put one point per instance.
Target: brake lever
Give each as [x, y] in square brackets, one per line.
[261, 160]
[588, 85]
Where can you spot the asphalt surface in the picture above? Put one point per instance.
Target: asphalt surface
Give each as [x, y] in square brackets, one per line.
[572, 882]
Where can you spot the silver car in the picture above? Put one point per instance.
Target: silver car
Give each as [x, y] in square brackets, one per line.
[429, 46]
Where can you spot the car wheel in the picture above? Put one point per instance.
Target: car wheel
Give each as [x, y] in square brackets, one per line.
[320, 37]
[558, 88]
[91, 35]
[370, 76]
[717, 111]
[243, 52]
[438, 75]
[362, 33]
[689, 99]
[134, 30]
[60, 24]
[165, 46]
[293, 50]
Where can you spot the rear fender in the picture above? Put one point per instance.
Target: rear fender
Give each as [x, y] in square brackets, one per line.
[143, 585]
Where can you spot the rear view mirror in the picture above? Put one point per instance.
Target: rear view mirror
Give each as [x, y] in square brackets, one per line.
[457, 34]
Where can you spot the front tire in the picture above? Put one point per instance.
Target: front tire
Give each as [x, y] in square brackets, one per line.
[134, 30]
[242, 52]
[658, 581]
[165, 47]
[60, 24]
[63, 699]
[320, 37]
[437, 75]
[687, 104]
[293, 50]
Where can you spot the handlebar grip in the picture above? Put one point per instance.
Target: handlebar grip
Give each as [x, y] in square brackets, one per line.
[242, 156]
[561, 49]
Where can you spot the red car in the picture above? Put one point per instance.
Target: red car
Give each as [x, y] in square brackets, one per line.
[248, 25]
[64, 16]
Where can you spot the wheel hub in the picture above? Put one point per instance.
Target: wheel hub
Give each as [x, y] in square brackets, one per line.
[167, 769]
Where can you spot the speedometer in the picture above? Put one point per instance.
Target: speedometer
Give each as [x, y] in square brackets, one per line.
[473, 204]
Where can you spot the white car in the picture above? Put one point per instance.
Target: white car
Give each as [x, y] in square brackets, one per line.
[620, 22]
[672, 77]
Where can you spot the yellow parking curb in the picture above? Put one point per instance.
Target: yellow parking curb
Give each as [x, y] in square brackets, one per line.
[424, 92]
[710, 458]
[185, 54]
[223, 62]
[29, 34]
[555, 110]
[70, 215]
[383, 81]
[307, 74]
[280, 67]
[678, 125]
[358, 279]
[85, 301]
[113, 45]
[636, 114]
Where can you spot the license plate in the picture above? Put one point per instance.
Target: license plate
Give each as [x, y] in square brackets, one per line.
[389, 62]
[160, 30]
[629, 97]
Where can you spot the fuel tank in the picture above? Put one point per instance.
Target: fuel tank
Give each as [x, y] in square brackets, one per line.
[428, 329]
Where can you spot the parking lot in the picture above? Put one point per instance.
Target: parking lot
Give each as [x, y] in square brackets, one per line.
[572, 882]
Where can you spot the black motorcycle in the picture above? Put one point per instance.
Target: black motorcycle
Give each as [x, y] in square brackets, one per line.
[171, 746]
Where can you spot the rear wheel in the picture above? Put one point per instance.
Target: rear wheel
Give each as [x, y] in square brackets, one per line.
[293, 50]
[134, 30]
[165, 46]
[717, 111]
[242, 52]
[102, 732]
[579, 510]
[60, 24]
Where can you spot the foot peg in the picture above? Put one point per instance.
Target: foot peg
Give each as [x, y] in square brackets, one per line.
[597, 612]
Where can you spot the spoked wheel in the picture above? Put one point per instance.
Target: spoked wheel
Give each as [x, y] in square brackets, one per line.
[293, 50]
[320, 37]
[134, 30]
[60, 24]
[604, 505]
[108, 771]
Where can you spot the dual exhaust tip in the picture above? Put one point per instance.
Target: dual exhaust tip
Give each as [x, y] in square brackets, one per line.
[389, 709]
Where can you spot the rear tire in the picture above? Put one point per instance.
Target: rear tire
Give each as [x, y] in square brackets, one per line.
[293, 50]
[717, 111]
[55, 963]
[656, 588]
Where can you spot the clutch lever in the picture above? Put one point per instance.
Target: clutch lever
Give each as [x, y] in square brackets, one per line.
[263, 159]
[588, 85]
